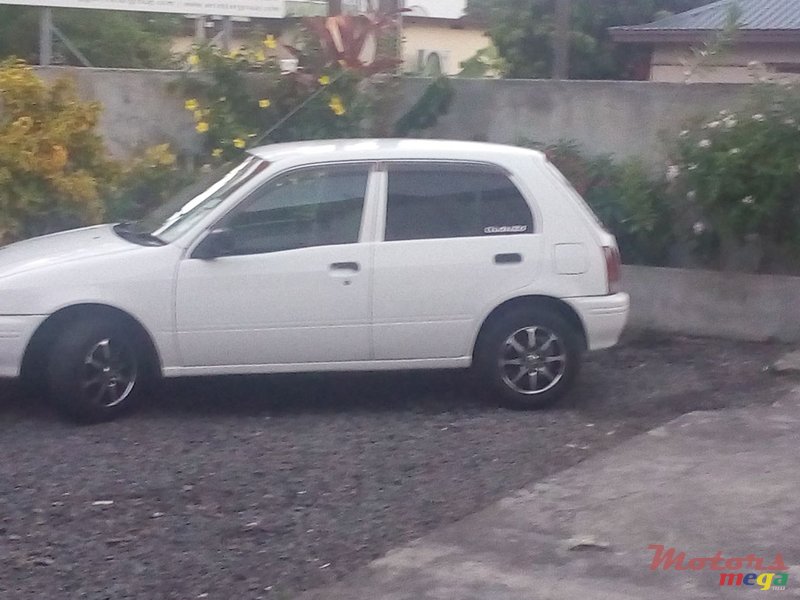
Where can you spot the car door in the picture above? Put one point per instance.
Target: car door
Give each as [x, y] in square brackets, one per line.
[293, 287]
[457, 238]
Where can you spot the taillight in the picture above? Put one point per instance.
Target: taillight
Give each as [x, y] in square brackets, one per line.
[613, 269]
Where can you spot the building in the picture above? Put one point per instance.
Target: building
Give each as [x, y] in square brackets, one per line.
[686, 47]
[438, 36]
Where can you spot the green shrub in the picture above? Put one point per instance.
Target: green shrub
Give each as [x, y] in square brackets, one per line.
[629, 201]
[146, 183]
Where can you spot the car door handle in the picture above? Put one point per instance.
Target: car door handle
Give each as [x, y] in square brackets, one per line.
[507, 259]
[346, 266]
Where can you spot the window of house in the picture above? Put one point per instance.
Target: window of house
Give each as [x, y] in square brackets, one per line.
[442, 201]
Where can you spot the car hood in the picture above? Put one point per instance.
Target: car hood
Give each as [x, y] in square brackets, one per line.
[59, 248]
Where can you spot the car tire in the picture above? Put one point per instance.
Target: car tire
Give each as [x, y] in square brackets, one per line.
[96, 370]
[528, 358]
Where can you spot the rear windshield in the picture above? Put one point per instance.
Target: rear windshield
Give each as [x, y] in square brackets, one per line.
[568, 187]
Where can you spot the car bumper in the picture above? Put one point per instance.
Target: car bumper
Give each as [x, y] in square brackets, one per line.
[604, 318]
[15, 333]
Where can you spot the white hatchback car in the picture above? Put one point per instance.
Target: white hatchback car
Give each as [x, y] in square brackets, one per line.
[323, 256]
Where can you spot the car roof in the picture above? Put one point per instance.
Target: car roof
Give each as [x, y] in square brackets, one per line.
[391, 149]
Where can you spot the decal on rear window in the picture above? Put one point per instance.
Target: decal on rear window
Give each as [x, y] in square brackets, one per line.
[506, 229]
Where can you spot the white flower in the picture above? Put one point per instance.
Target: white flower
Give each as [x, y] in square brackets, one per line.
[673, 172]
[693, 167]
[730, 122]
[713, 124]
[748, 200]
[684, 133]
[723, 113]
[691, 195]
[704, 143]
[734, 151]
[759, 117]
[789, 121]
[698, 228]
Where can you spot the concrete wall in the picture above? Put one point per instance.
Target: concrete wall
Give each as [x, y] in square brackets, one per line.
[622, 118]
[728, 305]
[139, 110]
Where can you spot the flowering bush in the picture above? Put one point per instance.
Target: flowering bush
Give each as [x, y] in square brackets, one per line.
[53, 166]
[237, 96]
[739, 173]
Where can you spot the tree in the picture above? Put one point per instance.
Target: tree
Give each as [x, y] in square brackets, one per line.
[106, 38]
[523, 31]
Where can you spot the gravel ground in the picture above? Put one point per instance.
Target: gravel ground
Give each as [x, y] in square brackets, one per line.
[261, 487]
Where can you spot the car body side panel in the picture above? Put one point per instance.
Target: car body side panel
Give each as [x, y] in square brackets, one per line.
[139, 283]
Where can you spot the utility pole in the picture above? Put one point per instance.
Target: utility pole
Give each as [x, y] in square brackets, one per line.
[227, 34]
[46, 36]
[199, 30]
[561, 37]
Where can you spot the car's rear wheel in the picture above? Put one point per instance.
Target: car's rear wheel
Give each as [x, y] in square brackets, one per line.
[528, 358]
[96, 370]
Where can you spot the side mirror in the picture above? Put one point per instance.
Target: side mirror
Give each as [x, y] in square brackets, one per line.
[218, 242]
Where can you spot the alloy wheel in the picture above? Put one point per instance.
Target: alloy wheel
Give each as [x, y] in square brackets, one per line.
[532, 360]
[110, 371]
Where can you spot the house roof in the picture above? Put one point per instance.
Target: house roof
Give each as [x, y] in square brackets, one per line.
[759, 20]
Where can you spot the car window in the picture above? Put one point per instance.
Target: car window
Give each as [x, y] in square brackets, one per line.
[443, 201]
[173, 219]
[319, 206]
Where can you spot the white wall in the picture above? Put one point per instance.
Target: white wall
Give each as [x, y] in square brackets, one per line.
[437, 9]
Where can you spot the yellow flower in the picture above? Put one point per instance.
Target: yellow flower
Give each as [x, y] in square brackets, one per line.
[325, 80]
[233, 53]
[199, 114]
[270, 42]
[191, 104]
[337, 106]
[260, 56]
[265, 103]
[193, 60]
[216, 152]
[239, 143]
[201, 127]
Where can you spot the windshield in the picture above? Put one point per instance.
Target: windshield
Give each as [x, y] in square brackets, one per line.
[172, 219]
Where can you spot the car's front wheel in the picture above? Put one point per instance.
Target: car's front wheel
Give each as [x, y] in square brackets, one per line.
[528, 358]
[95, 370]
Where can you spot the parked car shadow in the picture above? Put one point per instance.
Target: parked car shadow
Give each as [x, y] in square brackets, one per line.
[15, 403]
[316, 393]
